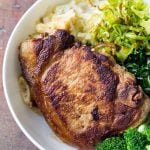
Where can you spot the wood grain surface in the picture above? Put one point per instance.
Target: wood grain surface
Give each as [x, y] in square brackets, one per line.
[11, 137]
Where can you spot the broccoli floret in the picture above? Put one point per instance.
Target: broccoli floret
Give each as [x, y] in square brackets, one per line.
[113, 143]
[145, 129]
[147, 132]
[135, 140]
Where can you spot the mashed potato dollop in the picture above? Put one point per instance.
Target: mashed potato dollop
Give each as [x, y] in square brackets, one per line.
[79, 17]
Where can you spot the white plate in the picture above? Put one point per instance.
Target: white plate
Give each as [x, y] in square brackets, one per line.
[32, 124]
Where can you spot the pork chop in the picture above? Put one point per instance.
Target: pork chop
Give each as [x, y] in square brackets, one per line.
[84, 95]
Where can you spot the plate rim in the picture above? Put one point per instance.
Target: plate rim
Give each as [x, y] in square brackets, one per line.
[4, 77]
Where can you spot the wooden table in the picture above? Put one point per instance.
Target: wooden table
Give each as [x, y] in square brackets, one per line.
[11, 137]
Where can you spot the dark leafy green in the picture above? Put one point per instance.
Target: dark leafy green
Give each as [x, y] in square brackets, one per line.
[138, 63]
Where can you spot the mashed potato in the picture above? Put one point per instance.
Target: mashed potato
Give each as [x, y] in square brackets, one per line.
[77, 16]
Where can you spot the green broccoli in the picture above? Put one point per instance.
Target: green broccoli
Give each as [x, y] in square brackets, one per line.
[147, 132]
[135, 140]
[113, 143]
[145, 129]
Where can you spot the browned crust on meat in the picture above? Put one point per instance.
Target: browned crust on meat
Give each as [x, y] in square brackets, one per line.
[41, 50]
[85, 96]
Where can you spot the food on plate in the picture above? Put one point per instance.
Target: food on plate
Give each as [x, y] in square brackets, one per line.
[25, 91]
[135, 140]
[120, 28]
[145, 129]
[78, 17]
[87, 68]
[125, 26]
[113, 143]
[130, 140]
[84, 95]
[138, 63]
[26, 95]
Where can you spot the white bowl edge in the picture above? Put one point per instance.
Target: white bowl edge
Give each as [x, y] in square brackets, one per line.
[4, 79]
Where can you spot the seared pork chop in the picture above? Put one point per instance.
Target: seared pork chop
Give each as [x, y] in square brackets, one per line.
[84, 95]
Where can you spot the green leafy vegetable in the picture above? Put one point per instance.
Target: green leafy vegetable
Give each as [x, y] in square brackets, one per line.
[126, 23]
[135, 140]
[146, 25]
[138, 63]
[114, 143]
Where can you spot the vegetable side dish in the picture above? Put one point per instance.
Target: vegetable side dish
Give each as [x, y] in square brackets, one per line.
[87, 68]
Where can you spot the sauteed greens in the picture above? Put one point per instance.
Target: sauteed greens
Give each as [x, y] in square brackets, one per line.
[138, 63]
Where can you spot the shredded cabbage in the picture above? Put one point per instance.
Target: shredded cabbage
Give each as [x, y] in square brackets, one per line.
[126, 23]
